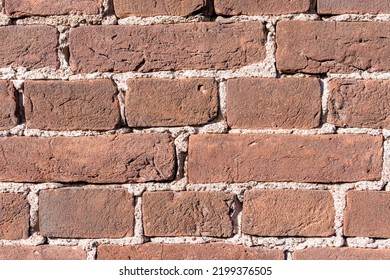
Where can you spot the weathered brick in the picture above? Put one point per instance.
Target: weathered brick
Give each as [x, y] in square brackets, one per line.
[31, 46]
[273, 103]
[261, 7]
[103, 159]
[295, 158]
[8, 106]
[366, 214]
[211, 251]
[355, 103]
[23, 8]
[74, 105]
[340, 47]
[187, 214]
[78, 213]
[337, 7]
[206, 45]
[341, 254]
[149, 8]
[14, 216]
[14, 252]
[166, 102]
[288, 213]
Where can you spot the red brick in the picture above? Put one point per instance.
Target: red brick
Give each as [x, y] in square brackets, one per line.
[342, 254]
[187, 214]
[93, 213]
[8, 106]
[325, 46]
[206, 45]
[166, 102]
[149, 8]
[257, 103]
[292, 158]
[23, 8]
[355, 103]
[211, 251]
[14, 216]
[101, 159]
[14, 252]
[366, 214]
[288, 213]
[74, 105]
[261, 7]
[32, 46]
[337, 7]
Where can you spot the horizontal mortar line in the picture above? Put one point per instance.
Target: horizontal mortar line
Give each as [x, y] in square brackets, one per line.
[256, 70]
[137, 189]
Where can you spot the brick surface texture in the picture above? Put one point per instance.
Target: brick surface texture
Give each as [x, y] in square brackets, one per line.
[214, 251]
[79, 105]
[194, 129]
[166, 102]
[22, 8]
[70, 213]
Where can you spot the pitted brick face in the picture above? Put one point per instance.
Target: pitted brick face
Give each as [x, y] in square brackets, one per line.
[9, 115]
[23, 8]
[148, 8]
[14, 216]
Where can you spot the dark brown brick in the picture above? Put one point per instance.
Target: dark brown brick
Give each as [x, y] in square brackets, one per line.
[354, 103]
[206, 45]
[292, 158]
[14, 216]
[337, 7]
[149, 8]
[366, 214]
[338, 47]
[166, 102]
[288, 213]
[74, 105]
[100, 159]
[32, 46]
[8, 106]
[78, 213]
[187, 214]
[23, 8]
[342, 254]
[261, 7]
[14, 252]
[256, 103]
[211, 251]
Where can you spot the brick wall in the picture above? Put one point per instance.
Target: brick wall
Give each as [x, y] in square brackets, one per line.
[194, 129]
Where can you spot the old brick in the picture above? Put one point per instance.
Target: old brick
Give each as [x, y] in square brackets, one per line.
[261, 7]
[296, 158]
[102, 159]
[211, 251]
[273, 103]
[355, 103]
[14, 252]
[288, 213]
[342, 254]
[206, 45]
[63, 105]
[340, 47]
[149, 8]
[23, 8]
[14, 216]
[366, 214]
[78, 213]
[32, 46]
[187, 214]
[166, 102]
[8, 106]
[337, 7]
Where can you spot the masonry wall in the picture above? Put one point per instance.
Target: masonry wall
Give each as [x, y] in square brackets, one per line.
[194, 129]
